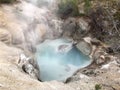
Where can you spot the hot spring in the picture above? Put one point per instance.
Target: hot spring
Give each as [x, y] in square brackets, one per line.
[59, 59]
[36, 20]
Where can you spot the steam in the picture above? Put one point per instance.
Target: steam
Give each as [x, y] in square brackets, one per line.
[41, 22]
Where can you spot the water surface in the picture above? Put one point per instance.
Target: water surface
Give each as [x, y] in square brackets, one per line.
[59, 65]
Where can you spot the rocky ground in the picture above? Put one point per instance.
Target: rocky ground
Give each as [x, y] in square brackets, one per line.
[12, 77]
[107, 76]
[102, 74]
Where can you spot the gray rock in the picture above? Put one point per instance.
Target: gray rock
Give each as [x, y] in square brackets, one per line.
[100, 61]
[100, 56]
[29, 69]
[75, 28]
[83, 24]
[69, 27]
[84, 47]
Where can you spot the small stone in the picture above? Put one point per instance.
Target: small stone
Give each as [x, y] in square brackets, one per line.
[100, 61]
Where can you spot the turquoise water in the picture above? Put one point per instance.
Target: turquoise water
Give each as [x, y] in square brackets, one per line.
[59, 65]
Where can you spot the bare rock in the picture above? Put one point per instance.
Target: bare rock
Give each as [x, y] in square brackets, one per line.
[11, 76]
[5, 36]
[28, 65]
[29, 69]
[100, 56]
[83, 25]
[100, 60]
[69, 27]
[75, 27]
[84, 47]
[96, 42]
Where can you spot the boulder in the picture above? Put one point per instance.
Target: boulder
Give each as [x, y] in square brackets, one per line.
[100, 56]
[75, 27]
[69, 27]
[83, 24]
[84, 47]
[100, 60]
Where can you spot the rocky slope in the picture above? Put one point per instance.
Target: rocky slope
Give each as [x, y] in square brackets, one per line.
[12, 77]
